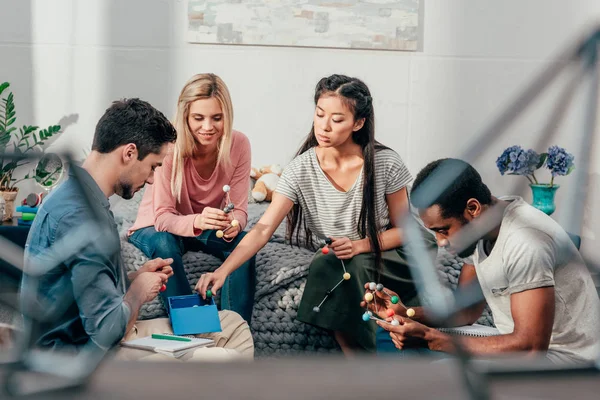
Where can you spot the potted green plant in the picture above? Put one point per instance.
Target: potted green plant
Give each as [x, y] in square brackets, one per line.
[517, 161]
[16, 141]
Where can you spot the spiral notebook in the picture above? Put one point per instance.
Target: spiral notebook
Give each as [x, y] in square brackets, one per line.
[171, 348]
[471, 330]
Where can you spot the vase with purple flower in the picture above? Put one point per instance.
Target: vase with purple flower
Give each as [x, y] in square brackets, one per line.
[517, 161]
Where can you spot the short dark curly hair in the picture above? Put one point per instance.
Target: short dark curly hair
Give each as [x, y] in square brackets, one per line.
[466, 184]
[133, 121]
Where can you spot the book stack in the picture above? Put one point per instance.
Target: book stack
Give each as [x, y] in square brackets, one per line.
[27, 215]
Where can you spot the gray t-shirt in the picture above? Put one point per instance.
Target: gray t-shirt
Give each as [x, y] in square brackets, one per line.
[331, 212]
[533, 251]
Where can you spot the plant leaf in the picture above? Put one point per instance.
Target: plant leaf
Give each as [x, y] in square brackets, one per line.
[543, 158]
[50, 131]
[4, 139]
[24, 135]
[9, 166]
[10, 106]
[4, 86]
[571, 168]
[28, 129]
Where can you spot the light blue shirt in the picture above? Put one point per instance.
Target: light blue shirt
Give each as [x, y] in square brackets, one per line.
[74, 281]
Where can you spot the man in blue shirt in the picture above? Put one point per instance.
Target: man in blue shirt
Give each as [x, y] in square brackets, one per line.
[74, 281]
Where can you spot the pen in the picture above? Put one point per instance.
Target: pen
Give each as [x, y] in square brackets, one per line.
[170, 337]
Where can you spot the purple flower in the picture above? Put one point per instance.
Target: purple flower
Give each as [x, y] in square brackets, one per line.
[559, 162]
[516, 161]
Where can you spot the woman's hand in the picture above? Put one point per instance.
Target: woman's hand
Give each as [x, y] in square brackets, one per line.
[343, 248]
[211, 280]
[232, 231]
[211, 219]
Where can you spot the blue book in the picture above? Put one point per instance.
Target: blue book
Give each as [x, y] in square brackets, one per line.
[27, 209]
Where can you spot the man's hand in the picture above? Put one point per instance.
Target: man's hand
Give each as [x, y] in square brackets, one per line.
[382, 301]
[156, 265]
[211, 218]
[146, 286]
[405, 331]
[211, 280]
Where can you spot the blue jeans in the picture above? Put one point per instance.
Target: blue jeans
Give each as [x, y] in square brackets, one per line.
[237, 293]
[385, 347]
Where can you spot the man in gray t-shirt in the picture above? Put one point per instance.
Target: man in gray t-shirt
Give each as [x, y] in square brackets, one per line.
[532, 276]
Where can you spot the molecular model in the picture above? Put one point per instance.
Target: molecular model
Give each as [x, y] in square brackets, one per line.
[345, 276]
[229, 207]
[368, 315]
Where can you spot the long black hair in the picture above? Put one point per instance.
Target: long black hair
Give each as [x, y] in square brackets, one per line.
[355, 94]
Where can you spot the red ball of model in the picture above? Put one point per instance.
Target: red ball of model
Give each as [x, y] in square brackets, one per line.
[390, 312]
[325, 250]
[163, 288]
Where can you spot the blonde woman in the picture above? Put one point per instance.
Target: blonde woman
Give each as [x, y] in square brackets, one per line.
[183, 210]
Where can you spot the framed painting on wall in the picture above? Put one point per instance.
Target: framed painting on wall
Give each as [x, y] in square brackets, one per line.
[354, 24]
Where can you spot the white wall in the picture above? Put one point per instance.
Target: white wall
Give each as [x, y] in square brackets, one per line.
[78, 56]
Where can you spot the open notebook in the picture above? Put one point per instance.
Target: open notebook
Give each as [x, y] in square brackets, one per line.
[171, 348]
[471, 330]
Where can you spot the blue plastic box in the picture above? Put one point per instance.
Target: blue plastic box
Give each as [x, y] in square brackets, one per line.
[191, 315]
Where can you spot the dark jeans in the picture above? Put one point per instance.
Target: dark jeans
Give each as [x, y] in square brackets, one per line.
[237, 294]
[385, 347]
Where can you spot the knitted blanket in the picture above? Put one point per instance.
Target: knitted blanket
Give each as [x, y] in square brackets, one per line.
[281, 276]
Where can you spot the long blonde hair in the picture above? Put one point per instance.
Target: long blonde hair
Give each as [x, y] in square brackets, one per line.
[201, 86]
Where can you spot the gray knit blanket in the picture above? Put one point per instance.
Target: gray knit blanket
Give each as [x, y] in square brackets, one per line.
[281, 276]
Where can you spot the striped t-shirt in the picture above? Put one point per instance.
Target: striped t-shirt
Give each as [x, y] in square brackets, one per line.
[331, 212]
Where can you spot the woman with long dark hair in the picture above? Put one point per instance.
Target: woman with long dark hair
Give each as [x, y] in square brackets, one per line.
[345, 189]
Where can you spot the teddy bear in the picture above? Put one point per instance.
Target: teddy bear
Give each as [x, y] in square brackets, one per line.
[266, 181]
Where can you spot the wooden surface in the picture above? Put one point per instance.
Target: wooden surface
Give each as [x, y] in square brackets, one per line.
[12, 222]
[315, 378]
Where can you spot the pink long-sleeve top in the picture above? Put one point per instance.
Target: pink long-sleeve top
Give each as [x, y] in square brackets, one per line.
[161, 209]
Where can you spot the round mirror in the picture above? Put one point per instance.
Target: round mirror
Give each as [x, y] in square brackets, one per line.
[49, 170]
